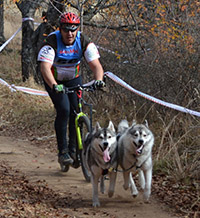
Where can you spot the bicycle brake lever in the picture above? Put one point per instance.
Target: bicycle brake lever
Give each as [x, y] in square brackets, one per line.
[66, 90]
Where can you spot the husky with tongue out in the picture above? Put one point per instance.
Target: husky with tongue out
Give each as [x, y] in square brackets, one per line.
[135, 155]
[101, 159]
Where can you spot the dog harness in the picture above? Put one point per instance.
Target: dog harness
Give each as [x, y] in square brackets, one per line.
[110, 165]
[134, 165]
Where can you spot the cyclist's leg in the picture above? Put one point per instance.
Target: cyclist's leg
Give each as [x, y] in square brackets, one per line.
[72, 134]
[62, 106]
[73, 105]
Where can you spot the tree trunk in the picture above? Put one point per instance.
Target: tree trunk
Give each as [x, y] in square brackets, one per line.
[2, 38]
[27, 49]
[27, 9]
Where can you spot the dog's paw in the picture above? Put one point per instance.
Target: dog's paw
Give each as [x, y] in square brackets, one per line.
[125, 187]
[102, 189]
[110, 193]
[96, 204]
[146, 196]
[146, 201]
[134, 195]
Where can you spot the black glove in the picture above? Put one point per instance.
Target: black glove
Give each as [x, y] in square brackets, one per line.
[59, 88]
[98, 84]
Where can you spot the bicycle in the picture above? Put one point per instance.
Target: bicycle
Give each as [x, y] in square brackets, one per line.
[83, 126]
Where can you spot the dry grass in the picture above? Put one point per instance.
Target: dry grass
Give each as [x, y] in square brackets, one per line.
[177, 145]
[27, 113]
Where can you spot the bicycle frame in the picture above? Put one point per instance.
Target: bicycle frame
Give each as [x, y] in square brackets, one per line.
[78, 132]
[81, 114]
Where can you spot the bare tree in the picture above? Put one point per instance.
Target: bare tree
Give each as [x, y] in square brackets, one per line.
[28, 9]
[2, 38]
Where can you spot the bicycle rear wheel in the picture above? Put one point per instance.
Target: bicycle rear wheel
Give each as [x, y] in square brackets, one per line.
[84, 124]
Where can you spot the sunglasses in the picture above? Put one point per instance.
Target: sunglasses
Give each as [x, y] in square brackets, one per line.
[68, 28]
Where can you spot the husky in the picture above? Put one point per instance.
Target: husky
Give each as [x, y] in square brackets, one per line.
[101, 159]
[135, 156]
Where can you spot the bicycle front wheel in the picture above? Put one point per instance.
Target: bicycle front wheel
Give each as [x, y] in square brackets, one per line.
[84, 124]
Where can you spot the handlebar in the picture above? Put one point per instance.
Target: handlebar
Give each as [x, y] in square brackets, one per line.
[89, 87]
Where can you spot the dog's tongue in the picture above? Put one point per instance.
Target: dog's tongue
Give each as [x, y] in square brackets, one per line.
[139, 150]
[106, 155]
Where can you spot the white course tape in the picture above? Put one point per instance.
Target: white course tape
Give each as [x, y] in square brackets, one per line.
[158, 101]
[6, 42]
[117, 80]
[27, 18]
[24, 89]
[5, 83]
[30, 91]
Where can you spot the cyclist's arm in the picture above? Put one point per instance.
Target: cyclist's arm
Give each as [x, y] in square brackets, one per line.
[46, 58]
[92, 57]
[97, 69]
[45, 68]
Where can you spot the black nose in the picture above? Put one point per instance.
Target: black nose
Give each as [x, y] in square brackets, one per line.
[105, 145]
[141, 141]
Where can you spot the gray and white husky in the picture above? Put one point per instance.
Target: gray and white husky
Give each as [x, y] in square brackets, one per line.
[135, 155]
[101, 159]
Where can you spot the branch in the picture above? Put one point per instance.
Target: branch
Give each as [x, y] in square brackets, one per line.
[92, 10]
[136, 25]
[124, 28]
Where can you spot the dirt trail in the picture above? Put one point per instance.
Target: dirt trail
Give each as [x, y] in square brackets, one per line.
[40, 164]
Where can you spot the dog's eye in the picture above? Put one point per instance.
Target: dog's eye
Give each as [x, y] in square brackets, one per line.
[145, 135]
[101, 137]
[136, 135]
[109, 136]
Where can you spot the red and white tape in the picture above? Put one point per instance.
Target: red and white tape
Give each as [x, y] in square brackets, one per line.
[30, 91]
[117, 80]
[155, 100]
[14, 88]
[20, 28]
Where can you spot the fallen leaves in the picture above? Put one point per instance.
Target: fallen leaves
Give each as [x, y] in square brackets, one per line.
[19, 198]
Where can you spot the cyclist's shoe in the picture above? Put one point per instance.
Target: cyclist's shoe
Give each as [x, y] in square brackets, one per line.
[72, 155]
[65, 159]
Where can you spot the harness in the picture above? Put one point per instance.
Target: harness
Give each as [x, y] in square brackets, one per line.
[134, 165]
[111, 162]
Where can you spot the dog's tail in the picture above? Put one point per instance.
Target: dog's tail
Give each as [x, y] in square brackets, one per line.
[122, 127]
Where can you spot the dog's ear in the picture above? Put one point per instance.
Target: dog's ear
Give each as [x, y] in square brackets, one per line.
[97, 126]
[111, 126]
[146, 123]
[133, 123]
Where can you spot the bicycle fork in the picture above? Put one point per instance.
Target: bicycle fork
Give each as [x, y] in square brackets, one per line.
[78, 131]
[81, 114]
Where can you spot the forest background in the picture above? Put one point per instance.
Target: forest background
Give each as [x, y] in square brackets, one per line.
[151, 45]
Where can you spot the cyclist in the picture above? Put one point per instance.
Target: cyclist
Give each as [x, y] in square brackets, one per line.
[59, 59]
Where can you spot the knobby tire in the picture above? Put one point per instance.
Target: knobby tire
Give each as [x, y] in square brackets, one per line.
[84, 124]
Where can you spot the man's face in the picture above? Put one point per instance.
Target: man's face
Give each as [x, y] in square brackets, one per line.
[68, 33]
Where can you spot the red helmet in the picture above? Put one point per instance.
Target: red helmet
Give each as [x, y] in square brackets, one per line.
[69, 18]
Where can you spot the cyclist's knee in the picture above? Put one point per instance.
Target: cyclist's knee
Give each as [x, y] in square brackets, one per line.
[63, 112]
